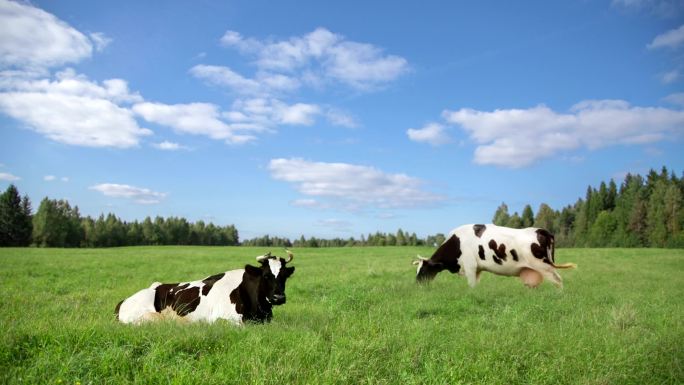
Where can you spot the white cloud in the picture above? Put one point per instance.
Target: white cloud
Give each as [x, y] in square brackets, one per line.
[265, 83]
[68, 82]
[101, 40]
[433, 133]
[264, 114]
[309, 203]
[336, 224]
[351, 187]
[68, 107]
[193, 118]
[73, 110]
[298, 114]
[8, 177]
[237, 125]
[662, 8]
[670, 39]
[363, 66]
[50, 178]
[670, 77]
[676, 99]
[137, 194]
[31, 37]
[168, 146]
[74, 120]
[224, 76]
[321, 54]
[341, 118]
[520, 137]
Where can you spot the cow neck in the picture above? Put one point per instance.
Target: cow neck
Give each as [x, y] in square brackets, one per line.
[253, 295]
[448, 254]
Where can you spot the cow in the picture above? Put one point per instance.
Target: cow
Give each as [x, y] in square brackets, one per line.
[239, 296]
[471, 249]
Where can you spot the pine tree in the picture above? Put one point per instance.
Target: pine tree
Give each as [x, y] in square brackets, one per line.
[545, 218]
[15, 218]
[656, 215]
[601, 231]
[401, 238]
[501, 216]
[527, 218]
[514, 221]
[674, 215]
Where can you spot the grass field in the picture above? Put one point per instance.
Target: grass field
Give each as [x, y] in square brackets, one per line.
[354, 316]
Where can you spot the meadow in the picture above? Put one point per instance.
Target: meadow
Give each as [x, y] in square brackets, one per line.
[353, 316]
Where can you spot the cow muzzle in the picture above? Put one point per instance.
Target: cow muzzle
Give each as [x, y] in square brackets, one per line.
[278, 299]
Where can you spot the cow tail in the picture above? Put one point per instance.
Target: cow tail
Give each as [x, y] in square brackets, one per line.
[552, 246]
[568, 265]
[552, 253]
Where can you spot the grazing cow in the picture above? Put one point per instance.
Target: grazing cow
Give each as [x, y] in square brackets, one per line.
[238, 295]
[470, 249]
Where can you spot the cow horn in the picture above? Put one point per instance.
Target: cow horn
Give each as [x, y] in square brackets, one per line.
[419, 259]
[264, 257]
[290, 256]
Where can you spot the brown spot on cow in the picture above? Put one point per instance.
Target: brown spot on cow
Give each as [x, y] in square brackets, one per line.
[479, 229]
[541, 250]
[186, 301]
[499, 250]
[181, 298]
[514, 254]
[480, 252]
[209, 282]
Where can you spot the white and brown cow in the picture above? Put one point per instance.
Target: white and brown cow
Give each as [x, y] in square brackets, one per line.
[471, 249]
[238, 296]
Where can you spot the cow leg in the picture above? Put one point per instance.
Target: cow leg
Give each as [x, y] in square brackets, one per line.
[472, 276]
[150, 316]
[553, 276]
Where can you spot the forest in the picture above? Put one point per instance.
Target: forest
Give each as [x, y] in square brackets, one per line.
[643, 211]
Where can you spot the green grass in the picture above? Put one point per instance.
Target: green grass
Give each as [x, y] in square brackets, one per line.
[354, 316]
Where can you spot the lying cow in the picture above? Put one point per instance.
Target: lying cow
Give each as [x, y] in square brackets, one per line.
[470, 249]
[238, 295]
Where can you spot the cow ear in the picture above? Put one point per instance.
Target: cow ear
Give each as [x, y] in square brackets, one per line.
[253, 270]
[289, 271]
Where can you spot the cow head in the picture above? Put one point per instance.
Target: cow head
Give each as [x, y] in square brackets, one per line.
[445, 258]
[427, 269]
[272, 274]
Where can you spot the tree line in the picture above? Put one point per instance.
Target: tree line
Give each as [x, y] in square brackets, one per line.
[57, 224]
[641, 212]
[400, 238]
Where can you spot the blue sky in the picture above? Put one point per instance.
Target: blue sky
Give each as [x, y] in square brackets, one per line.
[335, 119]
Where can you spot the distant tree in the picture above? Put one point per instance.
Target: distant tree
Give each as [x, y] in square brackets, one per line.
[564, 225]
[545, 218]
[601, 231]
[514, 221]
[401, 238]
[57, 224]
[656, 217]
[501, 216]
[435, 240]
[15, 218]
[527, 217]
